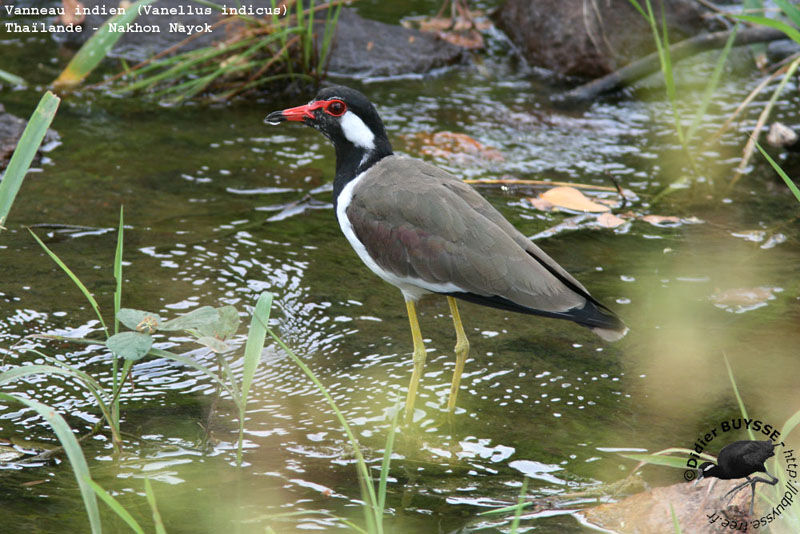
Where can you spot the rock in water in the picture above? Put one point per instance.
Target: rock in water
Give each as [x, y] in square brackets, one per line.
[590, 38]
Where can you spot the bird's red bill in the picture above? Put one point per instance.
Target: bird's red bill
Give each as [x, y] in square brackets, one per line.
[302, 112]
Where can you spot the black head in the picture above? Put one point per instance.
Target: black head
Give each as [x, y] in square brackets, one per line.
[706, 469]
[349, 120]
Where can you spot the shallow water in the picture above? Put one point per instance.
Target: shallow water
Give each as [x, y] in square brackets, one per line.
[220, 207]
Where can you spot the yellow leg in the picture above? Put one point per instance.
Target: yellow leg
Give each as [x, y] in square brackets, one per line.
[462, 349]
[419, 359]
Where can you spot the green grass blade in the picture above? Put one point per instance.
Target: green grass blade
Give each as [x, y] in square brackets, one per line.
[194, 365]
[74, 279]
[780, 172]
[387, 459]
[40, 369]
[790, 10]
[655, 459]
[118, 273]
[114, 504]
[520, 502]
[638, 8]
[675, 525]
[711, 86]
[26, 150]
[255, 342]
[327, 36]
[151, 500]
[73, 452]
[506, 509]
[790, 424]
[739, 400]
[12, 78]
[95, 49]
[669, 79]
[117, 305]
[791, 32]
[374, 516]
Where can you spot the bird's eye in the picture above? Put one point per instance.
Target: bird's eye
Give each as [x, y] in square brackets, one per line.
[336, 108]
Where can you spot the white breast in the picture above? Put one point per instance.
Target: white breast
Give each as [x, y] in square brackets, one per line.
[412, 288]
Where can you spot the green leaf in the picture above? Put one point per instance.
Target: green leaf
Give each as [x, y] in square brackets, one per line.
[252, 355]
[130, 345]
[675, 525]
[790, 425]
[791, 11]
[789, 183]
[140, 321]
[11, 78]
[26, 149]
[520, 505]
[217, 345]
[151, 500]
[739, 400]
[118, 272]
[225, 327]
[194, 320]
[114, 504]
[96, 48]
[73, 451]
[255, 341]
[790, 32]
[668, 461]
[711, 86]
[74, 279]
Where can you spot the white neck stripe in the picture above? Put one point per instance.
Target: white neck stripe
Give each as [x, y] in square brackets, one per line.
[357, 132]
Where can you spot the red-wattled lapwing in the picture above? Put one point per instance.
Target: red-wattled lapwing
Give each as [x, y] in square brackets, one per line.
[425, 231]
[741, 459]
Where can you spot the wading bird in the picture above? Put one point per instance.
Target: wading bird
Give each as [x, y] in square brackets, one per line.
[425, 231]
[741, 459]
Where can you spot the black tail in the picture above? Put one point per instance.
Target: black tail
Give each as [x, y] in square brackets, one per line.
[594, 315]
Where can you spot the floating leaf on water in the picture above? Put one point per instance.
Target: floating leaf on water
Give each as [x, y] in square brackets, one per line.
[571, 223]
[194, 320]
[141, 321]
[540, 204]
[743, 299]
[217, 345]
[609, 220]
[457, 147]
[572, 199]
[130, 345]
[663, 221]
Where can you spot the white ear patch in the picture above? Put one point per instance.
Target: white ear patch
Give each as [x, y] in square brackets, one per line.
[357, 132]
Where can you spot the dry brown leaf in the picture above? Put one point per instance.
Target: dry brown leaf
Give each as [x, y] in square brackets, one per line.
[572, 199]
[609, 220]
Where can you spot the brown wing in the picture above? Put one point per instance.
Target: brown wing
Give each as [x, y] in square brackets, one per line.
[419, 221]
